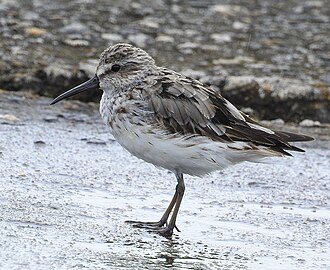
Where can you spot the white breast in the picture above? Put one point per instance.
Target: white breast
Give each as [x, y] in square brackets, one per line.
[194, 156]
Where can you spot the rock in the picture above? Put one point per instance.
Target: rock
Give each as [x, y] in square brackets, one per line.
[210, 48]
[309, 123]
[35, 31]
[111, 37]
[248, 111]
[149, 23]
[187, 47]
[241, 84]
[325, 78]
[9, 118]
[229, 10]
[282, 89]
[214, 80]
[314, 4]
[164, 39]
[233, 61]
[75, 27]
[221, 38]
[89, 66]
[31, 16]
[240, 26]
[196, 74]
[139, 40]
[50, 119]
[62, 76]
[176, 9]
[56, 70]
[76, 42]
[191, 33]
[39, 142]
[274, 97]
[278, 122]
[96, 142]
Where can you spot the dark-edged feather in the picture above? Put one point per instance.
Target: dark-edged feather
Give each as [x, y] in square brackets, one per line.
[293, 137]
[184, 105]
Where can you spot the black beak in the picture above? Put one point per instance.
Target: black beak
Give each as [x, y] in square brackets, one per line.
[90, 84]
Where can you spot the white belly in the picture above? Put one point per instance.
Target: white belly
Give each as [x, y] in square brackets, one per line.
[194, 156]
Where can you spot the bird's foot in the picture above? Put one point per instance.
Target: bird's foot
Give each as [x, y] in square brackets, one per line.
[166, 231]
[156, 227]
[146, 225]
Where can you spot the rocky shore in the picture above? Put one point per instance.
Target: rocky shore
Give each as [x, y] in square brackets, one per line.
[273, 56]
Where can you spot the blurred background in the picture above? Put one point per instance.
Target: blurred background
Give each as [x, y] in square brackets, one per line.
[275, 55]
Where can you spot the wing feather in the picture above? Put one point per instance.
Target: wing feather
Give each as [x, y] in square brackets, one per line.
[186, 106]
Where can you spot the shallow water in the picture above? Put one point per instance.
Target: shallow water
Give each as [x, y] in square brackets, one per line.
[67, 189]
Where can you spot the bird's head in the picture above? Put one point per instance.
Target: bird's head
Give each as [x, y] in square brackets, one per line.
[120, 66]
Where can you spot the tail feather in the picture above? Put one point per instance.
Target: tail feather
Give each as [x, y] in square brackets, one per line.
[281, 151]
[293, 137]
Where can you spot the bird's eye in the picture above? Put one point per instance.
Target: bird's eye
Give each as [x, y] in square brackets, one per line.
[115, 68]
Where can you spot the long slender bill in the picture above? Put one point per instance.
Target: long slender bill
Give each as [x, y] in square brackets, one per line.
[90, 84]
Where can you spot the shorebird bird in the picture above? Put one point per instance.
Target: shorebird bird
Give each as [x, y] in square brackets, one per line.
[175, 122]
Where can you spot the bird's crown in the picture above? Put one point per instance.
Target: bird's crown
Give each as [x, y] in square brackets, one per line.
[123, 64]
[126, 53]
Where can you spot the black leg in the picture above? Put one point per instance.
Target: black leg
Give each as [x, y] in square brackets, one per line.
[158, 226]
[161, 222]
[168, 230]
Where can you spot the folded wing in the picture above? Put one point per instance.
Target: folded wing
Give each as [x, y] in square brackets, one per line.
[184, 105]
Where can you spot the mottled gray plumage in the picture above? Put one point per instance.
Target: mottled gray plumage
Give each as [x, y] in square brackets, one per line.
[176, 122]
[186, 106]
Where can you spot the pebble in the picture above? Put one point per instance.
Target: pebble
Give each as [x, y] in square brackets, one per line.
[50, 119]
[247, 110]
[164, 39]
[75, 27]
[139, 39]
[278, 121]
[221, 38]
[196, 74]
[233, 61]
[35, 31]
[217, 80]
[115, 38]
[284, 89]
[56, 70]
[309, 123]
[187, 48]
[39, 142]
[76, 42]
[240, 26]
[89, 66]
[210, 48]
[228, 10]
[149, 23]
[9, 117]
[244, 84]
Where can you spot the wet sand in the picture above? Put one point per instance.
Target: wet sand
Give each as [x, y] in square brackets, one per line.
[67, 187]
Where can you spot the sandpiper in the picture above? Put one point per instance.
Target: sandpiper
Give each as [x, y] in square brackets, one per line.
[176, 122]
